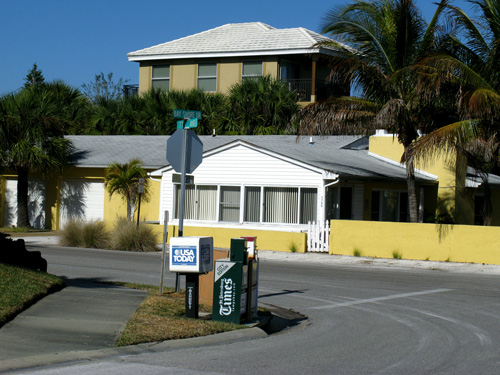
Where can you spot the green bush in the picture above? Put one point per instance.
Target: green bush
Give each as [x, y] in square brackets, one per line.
[128, 236]
[397, 255]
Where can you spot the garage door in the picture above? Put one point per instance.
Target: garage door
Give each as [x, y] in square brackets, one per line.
[82, 200]
[36, 203]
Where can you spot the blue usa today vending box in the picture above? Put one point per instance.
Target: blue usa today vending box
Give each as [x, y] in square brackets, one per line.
[191, 254]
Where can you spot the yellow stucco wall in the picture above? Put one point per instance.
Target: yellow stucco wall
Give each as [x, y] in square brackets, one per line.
[453, 198]
[144, 78]
[266, 240]
[184, 73]
[114, 207]
[438, 242]
[228, 74]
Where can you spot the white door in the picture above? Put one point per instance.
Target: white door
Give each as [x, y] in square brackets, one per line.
[82, 200]
[36, 203]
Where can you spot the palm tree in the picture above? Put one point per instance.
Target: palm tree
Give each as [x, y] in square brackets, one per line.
[31, 136]
[261, 106]
[382, 40]
[472, 65]
[124, 180]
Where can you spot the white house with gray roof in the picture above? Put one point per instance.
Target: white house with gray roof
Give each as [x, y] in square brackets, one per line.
[282, 183]
[216, 59]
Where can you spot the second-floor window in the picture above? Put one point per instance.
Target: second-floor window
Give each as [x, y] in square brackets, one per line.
[160, 77]
[207, 77]
[251, 70]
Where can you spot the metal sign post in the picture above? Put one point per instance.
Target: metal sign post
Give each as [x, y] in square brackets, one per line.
[191, 155]
[164, 250]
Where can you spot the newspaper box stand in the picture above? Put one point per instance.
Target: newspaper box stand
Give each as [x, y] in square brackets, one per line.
[191, 256]
[233, 285]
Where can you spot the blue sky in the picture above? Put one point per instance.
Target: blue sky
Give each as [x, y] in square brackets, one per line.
[73, 40]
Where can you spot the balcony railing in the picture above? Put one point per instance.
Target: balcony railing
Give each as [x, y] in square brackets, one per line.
[130, 90]
[304, 88]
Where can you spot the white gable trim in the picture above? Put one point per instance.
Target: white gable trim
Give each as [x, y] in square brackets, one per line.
[325, 174]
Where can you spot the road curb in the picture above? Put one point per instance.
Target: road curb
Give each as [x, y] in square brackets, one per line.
[79, 356]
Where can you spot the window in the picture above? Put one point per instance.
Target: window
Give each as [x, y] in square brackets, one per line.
[204, 207]
[251, 70]
[252, 204]
[389, 205]
[207, 77]
[280, 205]
[230, 203]
[160, 77]
[308, 205]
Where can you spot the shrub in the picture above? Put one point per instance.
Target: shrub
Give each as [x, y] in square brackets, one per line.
[71, 234]
[78, 233]
[128, 236]
[95, 235]
[356, 252]
[397, 255]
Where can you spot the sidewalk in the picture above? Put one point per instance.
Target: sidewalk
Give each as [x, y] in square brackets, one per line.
[82, 316]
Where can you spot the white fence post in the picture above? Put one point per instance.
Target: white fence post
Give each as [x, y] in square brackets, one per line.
[318, 236]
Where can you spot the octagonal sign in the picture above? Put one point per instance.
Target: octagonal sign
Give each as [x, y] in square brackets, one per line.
[194, 150]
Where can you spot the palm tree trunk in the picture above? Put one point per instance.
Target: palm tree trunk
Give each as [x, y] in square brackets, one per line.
[23, 220]
[487, 205]
[412, 189]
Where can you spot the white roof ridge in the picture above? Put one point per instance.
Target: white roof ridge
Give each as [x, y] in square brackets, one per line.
[308, 35]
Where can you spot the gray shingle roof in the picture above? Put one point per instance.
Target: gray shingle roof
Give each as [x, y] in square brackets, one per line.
[253, 38]
[338, 154]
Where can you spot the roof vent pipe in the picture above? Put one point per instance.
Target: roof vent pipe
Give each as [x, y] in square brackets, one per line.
[213, 132]
[311, 141]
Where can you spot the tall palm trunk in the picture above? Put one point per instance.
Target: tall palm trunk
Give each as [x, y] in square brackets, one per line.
[411, 183]
[487, 205]
[23, 220]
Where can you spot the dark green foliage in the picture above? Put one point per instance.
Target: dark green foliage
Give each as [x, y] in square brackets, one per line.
[261, 106]
[384, 42]
[33, 122]
[34, 77]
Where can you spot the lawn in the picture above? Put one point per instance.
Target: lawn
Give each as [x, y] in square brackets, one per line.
[159, 317]
[21, 287]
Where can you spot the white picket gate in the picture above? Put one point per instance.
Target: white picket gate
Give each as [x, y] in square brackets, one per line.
[318, 235]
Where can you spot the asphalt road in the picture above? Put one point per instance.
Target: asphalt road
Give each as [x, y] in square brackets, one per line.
[361, 320]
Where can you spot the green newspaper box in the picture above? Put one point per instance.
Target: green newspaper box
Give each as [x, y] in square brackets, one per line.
[229, 291]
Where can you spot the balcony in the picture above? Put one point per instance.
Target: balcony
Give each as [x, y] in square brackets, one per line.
[130, 90]
[303, 87]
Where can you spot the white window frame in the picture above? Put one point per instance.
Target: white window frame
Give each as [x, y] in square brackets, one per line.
[161, 78]
[242, 203]
[206, 77]
[250, 76]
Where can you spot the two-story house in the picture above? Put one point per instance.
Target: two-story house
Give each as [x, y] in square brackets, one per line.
[216, 59]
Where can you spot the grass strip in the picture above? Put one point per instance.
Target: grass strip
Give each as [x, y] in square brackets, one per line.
[161, 317]
[21, 288]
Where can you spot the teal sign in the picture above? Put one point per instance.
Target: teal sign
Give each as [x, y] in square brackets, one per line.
[187, 114]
